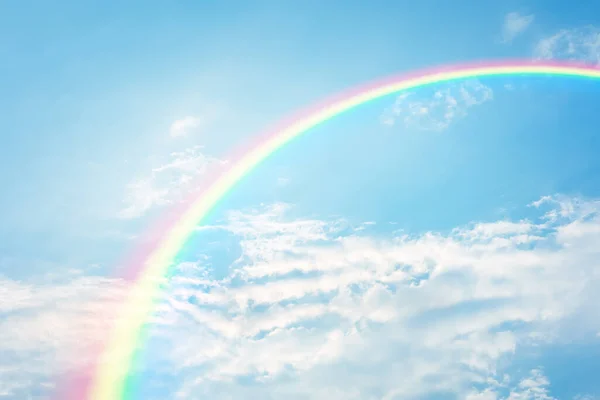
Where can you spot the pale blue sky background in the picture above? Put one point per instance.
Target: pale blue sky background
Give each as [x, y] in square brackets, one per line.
[109, 109]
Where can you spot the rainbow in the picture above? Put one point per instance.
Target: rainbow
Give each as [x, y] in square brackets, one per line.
[116, 360]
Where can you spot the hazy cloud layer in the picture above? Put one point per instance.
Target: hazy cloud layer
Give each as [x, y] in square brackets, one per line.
[323, 309]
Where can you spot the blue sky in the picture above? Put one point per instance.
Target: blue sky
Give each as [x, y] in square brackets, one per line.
[437, 244]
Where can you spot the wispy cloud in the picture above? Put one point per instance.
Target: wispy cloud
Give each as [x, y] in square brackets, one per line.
[353, 301]
[185, 125]
[141, 196]
[514, 25]
[50, 327]
[577, 44]
[585, 397]
[439, 111]
[167, 183]
[311, 304]
[535, 386]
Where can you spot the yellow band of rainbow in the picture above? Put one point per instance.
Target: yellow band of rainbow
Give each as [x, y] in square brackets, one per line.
[115, 362]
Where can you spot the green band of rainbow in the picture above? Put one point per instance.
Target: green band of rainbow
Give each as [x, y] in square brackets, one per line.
[109, 378]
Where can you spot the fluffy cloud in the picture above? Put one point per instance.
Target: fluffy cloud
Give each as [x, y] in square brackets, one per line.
[183, 126]
[533, 387]
[313, 309]
[50, 327]
[579, 44]
[438, 111]
[325, 309]
[167, 183]
[585, 397]
[514, 25]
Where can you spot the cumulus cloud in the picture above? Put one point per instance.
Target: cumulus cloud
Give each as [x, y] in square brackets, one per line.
[319, 309]
[49, 328]
[438, 111]
[577, 44]
[325, 309]
[535, 386]
[183, 126]
[167, 183]
[514, 25]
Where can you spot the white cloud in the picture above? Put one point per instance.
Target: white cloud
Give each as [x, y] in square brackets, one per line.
[321, 309]
[514, 25]
[577, 44]
[534, 387]
[183, 126]
[167, 183]
[141, 196]
[439, 111]
[49, 327]
[311, 303]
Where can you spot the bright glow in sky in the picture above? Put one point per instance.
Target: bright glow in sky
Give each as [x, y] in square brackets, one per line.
[441, 244]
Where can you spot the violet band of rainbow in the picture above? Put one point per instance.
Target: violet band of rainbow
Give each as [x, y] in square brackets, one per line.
[116, 359]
